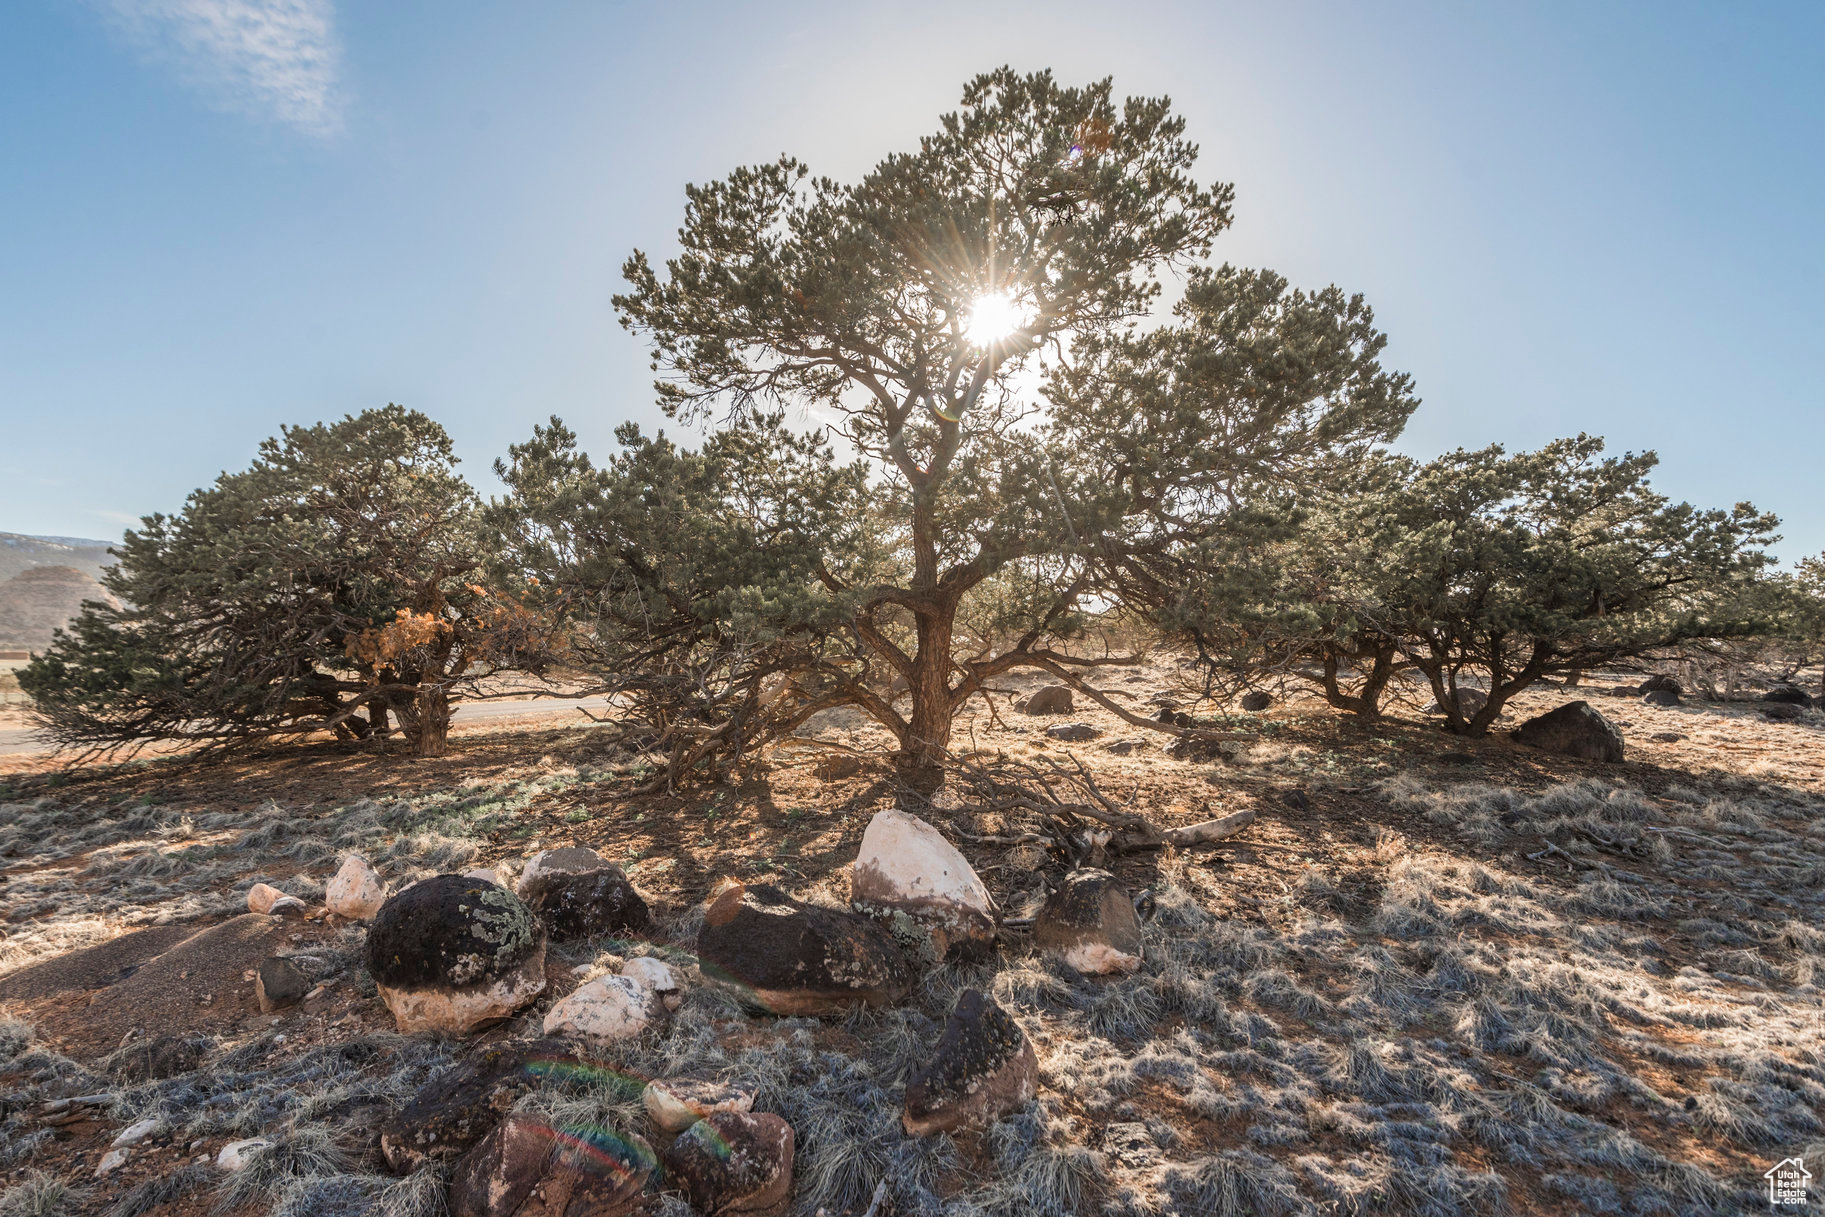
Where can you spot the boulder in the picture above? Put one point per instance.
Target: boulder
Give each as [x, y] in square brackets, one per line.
[1174, 717]
[982, 1069]
[264, 898]
[578, 894]
[905, 865]
[606, 1009]
[1124, 747]
[1089, 922]
[1053, 699]
[1787, 695]
[1781, 711]
[1255, 700]
[526, 1168]
[452, 954]
[789, 957]
[1073, 733]
[733, 1162]
[462, 1104]
[1660, 697]
[278, 982]
[1661, 684]
[1574, 729]
[355, 891]
[674, 1104]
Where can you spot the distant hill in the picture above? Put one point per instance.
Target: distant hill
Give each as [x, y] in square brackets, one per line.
[18, 553]
[39, 599]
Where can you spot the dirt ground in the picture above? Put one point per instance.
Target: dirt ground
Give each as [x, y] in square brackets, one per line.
[1435, 975]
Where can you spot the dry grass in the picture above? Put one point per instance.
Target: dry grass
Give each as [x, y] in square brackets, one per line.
[1460, 977]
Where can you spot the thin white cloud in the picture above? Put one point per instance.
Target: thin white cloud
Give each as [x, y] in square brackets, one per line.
[271, 59]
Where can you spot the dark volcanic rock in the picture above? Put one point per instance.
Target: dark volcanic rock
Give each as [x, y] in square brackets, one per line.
[578, 895]
[1661, 684]
[1073, 733]
[1053, 699]
[1256, 700]
[278, 982]
[454, 953]
[525, 1168]
[982, 1069]
[1574, 729]
[155, 1060]
[1090, 923]
[463, 1104]
[1174, 718]
[1660, 697]
[1781, 711]
[1787, 695]
[789, 957]
[733, 1162]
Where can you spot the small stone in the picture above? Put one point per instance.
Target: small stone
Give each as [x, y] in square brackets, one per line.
[1053, 699]
[1073, 733]
[733, 1162]
[1667, 737]
[134, 1133]
[239, 1155]
[112, 1160]
[262, 896]
[675, 1104]
[1090, 923]
[606, 1009]
[656, 974]
[1124, 747]
[983, 1068]
[279, 983]
[356, 891]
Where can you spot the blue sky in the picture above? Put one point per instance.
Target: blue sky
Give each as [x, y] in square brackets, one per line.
[223, 215]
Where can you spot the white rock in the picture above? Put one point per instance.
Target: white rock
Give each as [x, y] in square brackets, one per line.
[356, 891]
[112, 1160]
[487, 874]
[677, 1103]
[906, 865]
[262, 896]
[238, 1155]
[133, 1134]
[570, 860]
[606, 1009]
[655, 974]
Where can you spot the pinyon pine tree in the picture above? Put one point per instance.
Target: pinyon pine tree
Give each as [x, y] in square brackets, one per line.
[996, 445]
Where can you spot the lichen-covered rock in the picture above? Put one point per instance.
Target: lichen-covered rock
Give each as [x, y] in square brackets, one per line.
[462, 1104]
[1053, 699]
[606, 1009]
[526, 1168]
[1090, 923]
[733, 1162]
[577, 893]
[788, 957]
[355, 891]
[982, 1069]
[1574, 729]
[452, 954]
[674, 1104]
[906, 865]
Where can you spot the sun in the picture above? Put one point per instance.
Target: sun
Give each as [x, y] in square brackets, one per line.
[993, 318]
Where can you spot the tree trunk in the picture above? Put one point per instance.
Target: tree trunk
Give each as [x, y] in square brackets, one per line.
[928, 734]
[427, 724]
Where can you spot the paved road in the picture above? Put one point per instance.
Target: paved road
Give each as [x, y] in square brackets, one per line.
[21, 741]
